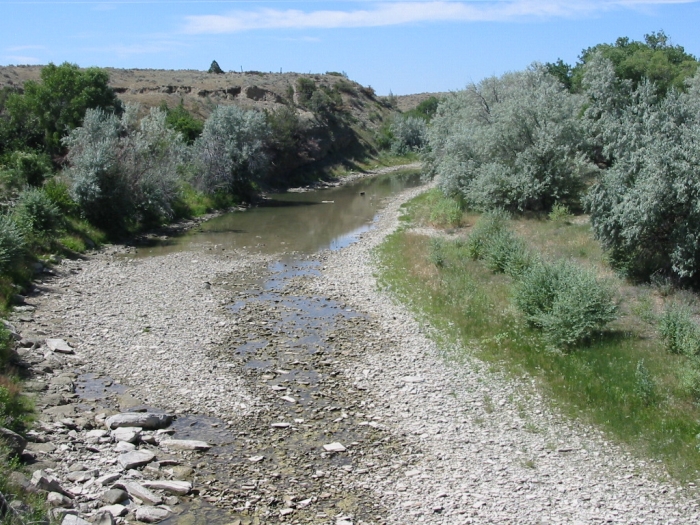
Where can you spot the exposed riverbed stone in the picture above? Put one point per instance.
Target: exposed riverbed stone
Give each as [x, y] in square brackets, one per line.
[185, 444]
[481, 447]
[136, 458]
[151, 514]
[60, 346]
[139, 491]
[141, 420]
[113, 496]
[179, 488]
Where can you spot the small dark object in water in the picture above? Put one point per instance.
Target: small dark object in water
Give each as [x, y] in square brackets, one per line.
[362, 193]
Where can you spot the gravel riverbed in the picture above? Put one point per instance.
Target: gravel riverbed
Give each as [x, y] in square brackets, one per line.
[320, 399]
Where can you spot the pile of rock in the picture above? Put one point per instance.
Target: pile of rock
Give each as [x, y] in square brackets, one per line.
[127, 469]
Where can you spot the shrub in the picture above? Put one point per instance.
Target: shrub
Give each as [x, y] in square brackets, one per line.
[14, 408]
[689, 378]
[345, 86]
[26, 168]
[37, 213]
[60, 101]
[305, 89]
[510, 142]
[182, 121]
[679, 333]
[487, 227]
[230, 155]
[560, 214]
[121, 171]
[215, 68]
[437, 252]
[566, 301]
[408, 134]
[12, 242]
[643, 208]
[59, 193]
[644, 387]
[446, 212]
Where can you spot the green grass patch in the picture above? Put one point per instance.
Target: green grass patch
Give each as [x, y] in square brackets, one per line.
[622, 380]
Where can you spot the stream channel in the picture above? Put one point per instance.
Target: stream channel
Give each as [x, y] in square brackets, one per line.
[291, 347]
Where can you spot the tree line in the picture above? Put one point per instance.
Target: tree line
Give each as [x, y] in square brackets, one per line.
[616, 136]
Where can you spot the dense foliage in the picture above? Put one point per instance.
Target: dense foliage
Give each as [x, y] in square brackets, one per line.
[644, 207]
[123, 170]
[624, 122]
[230, 155]
[509, 142]
[58, 103]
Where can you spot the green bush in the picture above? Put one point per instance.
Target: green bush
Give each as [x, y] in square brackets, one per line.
[487, 227]
[689, 378]
[446, 211]
[644, 387]
[37, 213]
[305, 89]
[506, 253]
[679, 333]
[437, 252]
[510, 142]
[14, 408]
[560, 214]
[26, 168]
[12, 242]
[566, 301]
[59, 193]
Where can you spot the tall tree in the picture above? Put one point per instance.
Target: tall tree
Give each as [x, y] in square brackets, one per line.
[65, 93]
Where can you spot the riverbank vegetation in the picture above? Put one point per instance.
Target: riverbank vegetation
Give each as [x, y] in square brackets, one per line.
[565, 243]
[612, 353]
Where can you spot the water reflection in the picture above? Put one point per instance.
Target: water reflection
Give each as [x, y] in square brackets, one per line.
[295, 222]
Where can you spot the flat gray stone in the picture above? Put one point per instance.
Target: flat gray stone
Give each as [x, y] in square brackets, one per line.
[143, 420]
[179, 488]
[185, 444]
[59, 346]
[115, 510]
[113, 496]
[151, 514]
[123, 446]
[136, 458]
[71, 519]
[334, 447]
[139, 491]
[103, 517]
[108, 479]
[128, 434]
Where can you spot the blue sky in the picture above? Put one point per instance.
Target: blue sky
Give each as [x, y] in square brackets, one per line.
[403, 46]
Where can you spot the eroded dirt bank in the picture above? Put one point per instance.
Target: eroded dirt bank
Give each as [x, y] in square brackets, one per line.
[322, 401]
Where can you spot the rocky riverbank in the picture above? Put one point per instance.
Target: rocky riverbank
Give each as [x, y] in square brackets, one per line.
[291, 390]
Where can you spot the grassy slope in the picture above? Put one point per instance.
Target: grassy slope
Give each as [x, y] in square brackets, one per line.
[472, 306]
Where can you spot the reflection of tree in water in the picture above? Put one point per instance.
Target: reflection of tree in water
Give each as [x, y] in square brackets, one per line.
[301, 222]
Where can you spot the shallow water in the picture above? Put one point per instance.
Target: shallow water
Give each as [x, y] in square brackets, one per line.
[294, 222]
[286, 343]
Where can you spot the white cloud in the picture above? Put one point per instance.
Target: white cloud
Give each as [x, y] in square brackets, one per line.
[21, 60]
[397, 13]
